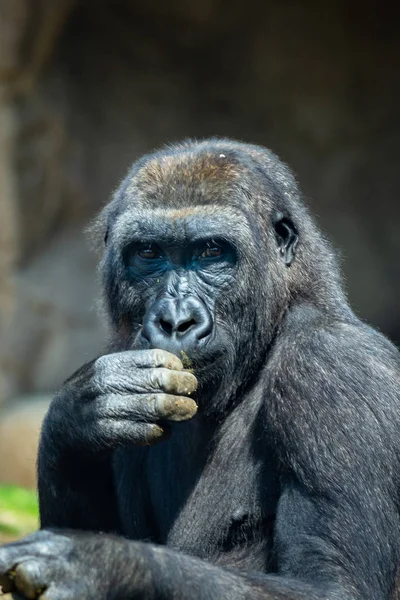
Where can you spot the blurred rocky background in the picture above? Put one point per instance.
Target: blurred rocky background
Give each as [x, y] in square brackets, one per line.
[86, 86]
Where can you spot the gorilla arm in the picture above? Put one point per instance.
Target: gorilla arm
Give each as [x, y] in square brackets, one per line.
[55, 565]
[334, 421]
[116, 400]
[75, 487]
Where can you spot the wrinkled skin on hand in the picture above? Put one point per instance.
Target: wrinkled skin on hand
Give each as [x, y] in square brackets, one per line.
[124, 398]
[59, 564]
[50, 566]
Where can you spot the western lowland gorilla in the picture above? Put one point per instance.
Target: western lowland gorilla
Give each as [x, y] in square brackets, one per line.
[241, 438]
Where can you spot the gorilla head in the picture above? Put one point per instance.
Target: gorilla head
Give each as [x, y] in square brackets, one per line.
[207, 246]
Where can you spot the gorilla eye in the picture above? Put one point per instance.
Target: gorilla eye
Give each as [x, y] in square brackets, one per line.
[212, 250]
[150, 252]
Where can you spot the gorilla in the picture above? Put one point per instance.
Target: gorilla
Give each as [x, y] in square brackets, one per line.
[241, 437]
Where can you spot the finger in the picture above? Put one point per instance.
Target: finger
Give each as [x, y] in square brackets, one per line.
[180, 383]
[145, 407]
[8, 574]
[113, 434]
[31, 577]
[141, 381]
[140, 359]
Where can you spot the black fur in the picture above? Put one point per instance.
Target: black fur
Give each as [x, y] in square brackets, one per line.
[284, 485]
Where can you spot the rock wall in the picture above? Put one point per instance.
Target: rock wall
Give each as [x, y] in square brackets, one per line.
[87, 86]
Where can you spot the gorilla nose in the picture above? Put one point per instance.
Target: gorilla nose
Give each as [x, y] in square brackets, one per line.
[177, 323]
[179, 327]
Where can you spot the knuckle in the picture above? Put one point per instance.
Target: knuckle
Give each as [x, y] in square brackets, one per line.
[139, 358]
[29, 568]
[156, 378]
[180, 382]
[100, 371]
[167, 380]
[157, 355]
[168, 360]
[102, 362]
[108, 366]
[162, 404]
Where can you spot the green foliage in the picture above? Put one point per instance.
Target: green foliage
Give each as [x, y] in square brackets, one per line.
[18, 512]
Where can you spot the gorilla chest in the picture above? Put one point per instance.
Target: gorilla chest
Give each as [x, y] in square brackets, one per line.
[210, 500]
[225, 506]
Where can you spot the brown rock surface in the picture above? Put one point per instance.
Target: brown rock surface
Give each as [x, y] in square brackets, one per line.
[20, 423]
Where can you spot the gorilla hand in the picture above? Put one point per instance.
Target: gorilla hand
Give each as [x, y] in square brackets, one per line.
[61, 565]
[122, 399]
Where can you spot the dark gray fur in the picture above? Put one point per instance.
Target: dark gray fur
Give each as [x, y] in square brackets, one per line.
[285, 484]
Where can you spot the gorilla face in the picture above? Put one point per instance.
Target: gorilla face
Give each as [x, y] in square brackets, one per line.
[179, 277]
[191, 267]
[180, 311]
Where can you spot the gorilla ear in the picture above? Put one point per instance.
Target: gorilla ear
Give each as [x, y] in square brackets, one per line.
[287, 238]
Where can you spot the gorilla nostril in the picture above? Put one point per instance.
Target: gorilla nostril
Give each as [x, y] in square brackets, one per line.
[176, 323]
[183, 327]
[166, 327]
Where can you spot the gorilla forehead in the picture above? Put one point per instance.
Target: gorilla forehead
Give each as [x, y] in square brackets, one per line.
[200, 173]
[212, 167]
[185, 180]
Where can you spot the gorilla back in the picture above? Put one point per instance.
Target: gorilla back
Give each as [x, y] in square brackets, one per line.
[240, 439]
